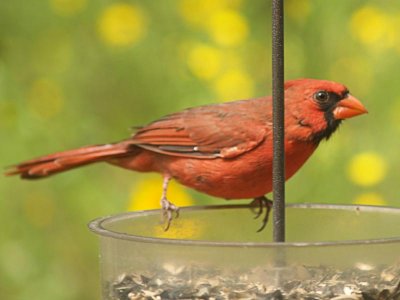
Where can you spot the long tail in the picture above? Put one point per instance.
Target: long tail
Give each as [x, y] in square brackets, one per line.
[62, 161]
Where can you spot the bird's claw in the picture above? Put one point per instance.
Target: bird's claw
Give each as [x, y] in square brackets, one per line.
[256, 207]
[168, 208]
[261, 202]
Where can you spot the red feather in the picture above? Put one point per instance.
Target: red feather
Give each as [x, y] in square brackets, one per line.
[223, 150]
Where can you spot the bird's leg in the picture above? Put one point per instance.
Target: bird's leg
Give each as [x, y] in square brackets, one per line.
[262, 202]
[167, 206]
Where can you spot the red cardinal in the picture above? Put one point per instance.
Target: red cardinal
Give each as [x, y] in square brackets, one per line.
[223, 150]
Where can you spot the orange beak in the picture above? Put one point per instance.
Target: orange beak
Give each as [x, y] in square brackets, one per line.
[348, 107]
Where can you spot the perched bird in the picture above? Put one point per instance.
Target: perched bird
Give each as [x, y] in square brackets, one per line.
[223, 150]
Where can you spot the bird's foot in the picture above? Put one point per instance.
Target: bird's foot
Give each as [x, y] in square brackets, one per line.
[168, 208]
[258, 205]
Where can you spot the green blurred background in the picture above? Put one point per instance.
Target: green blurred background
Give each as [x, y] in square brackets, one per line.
[78, 72]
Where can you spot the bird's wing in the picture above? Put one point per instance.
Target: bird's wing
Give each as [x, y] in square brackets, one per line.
[224, 130]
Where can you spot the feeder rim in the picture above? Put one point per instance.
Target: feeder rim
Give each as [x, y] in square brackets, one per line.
[97, 227]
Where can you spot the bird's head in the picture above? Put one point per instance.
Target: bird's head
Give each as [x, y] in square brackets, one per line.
[319, 106]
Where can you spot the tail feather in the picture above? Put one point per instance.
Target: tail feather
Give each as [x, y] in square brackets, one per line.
[62, 161]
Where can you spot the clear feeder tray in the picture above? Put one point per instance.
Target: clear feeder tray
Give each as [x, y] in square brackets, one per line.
[332, 252]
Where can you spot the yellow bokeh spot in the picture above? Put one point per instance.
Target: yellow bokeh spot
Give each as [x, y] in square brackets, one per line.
[181, 229]
[369, 199]
[374, 27]
[197, 12]
[45, 98]
[367, 169]
[121, 25]
[298, 10]
[146, 194]
[68, 7]
[204, 61]
[39, 209]
[228, 28]
[234, 84]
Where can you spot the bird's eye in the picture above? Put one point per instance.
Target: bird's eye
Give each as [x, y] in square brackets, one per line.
[321, 96]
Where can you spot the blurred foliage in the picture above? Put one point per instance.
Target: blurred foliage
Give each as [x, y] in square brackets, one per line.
[77, 72]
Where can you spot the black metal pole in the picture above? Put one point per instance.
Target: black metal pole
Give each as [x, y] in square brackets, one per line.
[278, 172]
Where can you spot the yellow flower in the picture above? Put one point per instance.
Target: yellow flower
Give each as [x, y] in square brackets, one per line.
[369, 199]
[122, 25]
[228, 28]
[45, 98]
[146, 194]
[234, 84]
[204, 61]
[374, 27]
[367, 169]
[197, 12]
[68, 7]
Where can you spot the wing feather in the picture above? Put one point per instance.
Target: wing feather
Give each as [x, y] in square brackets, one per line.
[223, 130]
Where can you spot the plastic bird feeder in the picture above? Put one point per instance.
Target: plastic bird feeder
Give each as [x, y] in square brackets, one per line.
[331, 251]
